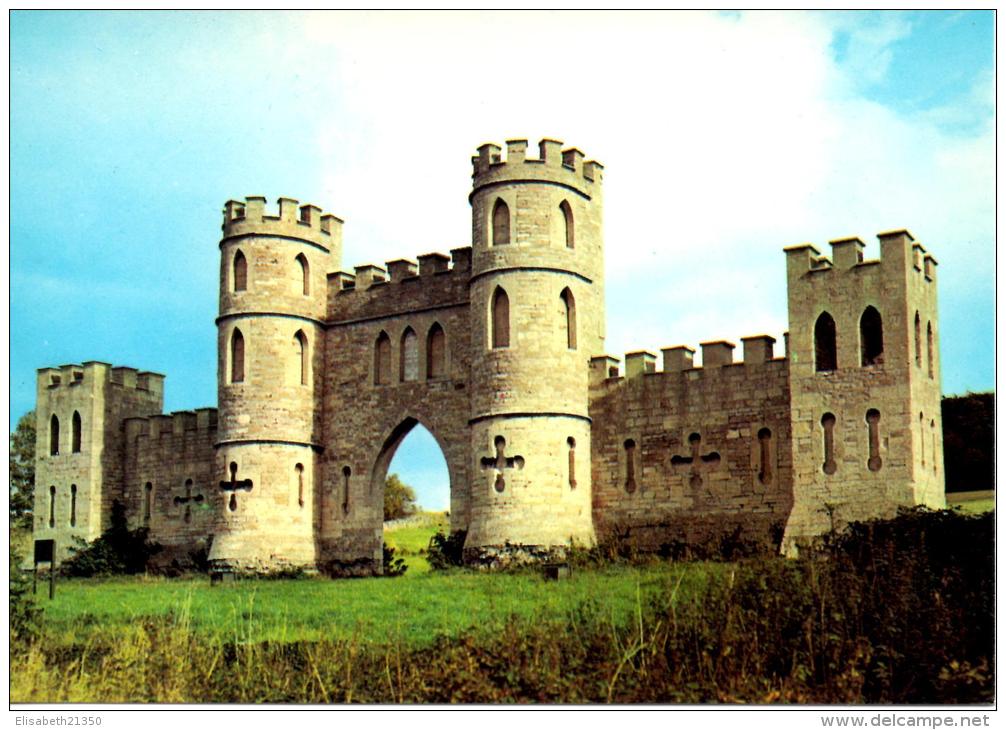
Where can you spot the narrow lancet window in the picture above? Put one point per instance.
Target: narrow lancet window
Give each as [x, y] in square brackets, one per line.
[382, 359]
[148, 498]
[825, 355]
[53, 435]
[500, 319]
[501, 224]
[346, 473]
[73, 505]
[930, 347]
[873, 423]
[932, 428]
[187, 515]
[828, 424]
[240, 272]
[567, 216]
[569, 312]
[409, 356]
[237, 357]
[918, 341]
[299, 475]
[52, 506]
[304, 269]
[630, 466]
[436, 352]
[871, 337]
[75, 440]
[232, 503]
[765, 456]
[571, 443]
[922, 438]
[301, 355]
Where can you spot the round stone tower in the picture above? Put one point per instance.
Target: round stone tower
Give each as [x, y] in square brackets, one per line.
[273, 274]
[537, 317]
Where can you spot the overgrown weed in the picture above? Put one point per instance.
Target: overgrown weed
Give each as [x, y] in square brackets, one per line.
[895, 611]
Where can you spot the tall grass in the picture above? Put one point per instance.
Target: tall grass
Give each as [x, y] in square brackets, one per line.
[893, 612]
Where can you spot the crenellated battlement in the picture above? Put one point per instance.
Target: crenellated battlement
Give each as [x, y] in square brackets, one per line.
[757, 349]
[94, 371]
[307, 222]
[553, 165]
[192, 424]
[321, 376]
[899, 252]
[368, 276]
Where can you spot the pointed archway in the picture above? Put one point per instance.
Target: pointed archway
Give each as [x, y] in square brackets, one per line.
[431, 451]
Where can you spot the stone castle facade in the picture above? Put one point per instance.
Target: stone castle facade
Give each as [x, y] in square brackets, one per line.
[498, 350]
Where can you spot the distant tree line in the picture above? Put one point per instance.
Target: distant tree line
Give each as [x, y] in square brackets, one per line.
[969, 441]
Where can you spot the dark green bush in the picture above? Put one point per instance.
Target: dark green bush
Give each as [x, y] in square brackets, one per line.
[393, 566]
[117, 551]
[921, 588]
[25, 616]
[446, 551]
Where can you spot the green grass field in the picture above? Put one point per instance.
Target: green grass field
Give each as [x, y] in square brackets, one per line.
[410, 541]
[411, 610]
[755, 630]
[974, 503]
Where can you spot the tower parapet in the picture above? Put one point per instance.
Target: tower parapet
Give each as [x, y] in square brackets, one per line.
[273, 302]
[537, 316]
[864, 380]
[307, 222]
[553, 165]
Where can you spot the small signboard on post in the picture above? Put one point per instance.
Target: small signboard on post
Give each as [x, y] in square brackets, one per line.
[45, 552]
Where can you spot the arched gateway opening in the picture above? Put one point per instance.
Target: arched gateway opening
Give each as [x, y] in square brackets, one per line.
[413, 453]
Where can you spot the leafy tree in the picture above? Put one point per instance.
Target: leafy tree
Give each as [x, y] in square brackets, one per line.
[969, 441]
[399, 498]
[22, 470]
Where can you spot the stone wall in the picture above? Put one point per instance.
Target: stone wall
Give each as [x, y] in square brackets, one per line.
[170, 481]
[365, 420]
[697, 469]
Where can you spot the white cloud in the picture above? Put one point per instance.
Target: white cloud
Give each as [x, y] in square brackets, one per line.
[724, 138]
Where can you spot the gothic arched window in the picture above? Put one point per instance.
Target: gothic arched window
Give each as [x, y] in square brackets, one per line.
[567, 215]
[501, 223]
[871, 337]
[237, 356]
[825, 357]
[240, 272]
[382, 359]
[53, 435]
[300, 352]
[75, 433]
[305, 273]
[569, 307]
[436, 352]
[409, 356]
[500, 318]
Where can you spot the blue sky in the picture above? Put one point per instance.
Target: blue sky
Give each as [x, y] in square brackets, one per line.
[725, 137]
